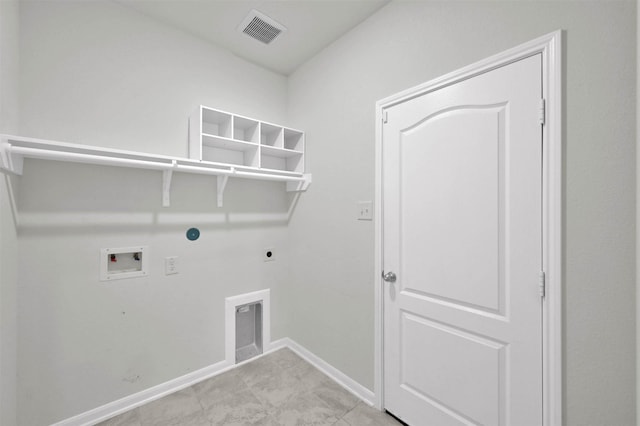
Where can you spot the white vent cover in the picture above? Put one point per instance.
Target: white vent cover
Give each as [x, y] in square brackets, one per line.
[259, 26]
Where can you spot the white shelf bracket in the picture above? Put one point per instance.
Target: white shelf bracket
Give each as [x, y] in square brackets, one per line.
[167, 175]
[9, 163]
[4, 156]
[302, 185]
[222, 183]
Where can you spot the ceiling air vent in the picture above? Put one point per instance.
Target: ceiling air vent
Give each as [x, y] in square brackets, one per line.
[260, 27]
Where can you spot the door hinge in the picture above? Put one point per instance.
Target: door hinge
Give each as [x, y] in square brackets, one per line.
[543, 112]
[385, 117]
[543, 284]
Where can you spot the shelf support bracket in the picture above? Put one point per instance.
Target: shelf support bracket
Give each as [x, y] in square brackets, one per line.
[167, 175]
[10, 164]
[222, 183]
[298, 186]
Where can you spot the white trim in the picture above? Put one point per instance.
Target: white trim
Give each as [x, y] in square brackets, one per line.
[130, 402]
[230, 320]
[552, 230]
[550, 47]
[637, 214]
[378, 318]
[336, 375]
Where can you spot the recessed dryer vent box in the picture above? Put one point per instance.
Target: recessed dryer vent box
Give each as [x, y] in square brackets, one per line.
[124, 262]
[248, 331]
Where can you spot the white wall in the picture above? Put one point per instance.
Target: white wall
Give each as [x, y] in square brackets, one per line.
[332, 97]
[8, 237]
[101, 74]
[98, 73]
[9, 59]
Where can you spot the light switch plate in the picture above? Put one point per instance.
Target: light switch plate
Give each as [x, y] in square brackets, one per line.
[364, 210]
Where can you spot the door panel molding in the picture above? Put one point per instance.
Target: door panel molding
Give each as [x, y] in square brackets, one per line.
[549, 46]
[461, 224]
[487, 364]
[499, 107]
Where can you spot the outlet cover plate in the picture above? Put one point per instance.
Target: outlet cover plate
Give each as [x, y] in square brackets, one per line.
[171, 265]
[364, 210]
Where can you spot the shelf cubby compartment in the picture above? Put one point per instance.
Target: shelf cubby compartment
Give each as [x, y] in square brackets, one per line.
[216, 123]
[293, 140]
[271, 135]
[229, 151]
[245, 129]
[207, 121]
[279, 159]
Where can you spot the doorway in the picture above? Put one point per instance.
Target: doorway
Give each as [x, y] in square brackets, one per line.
[468, 219]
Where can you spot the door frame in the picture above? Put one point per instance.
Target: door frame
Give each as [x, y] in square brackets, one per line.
[550, 47]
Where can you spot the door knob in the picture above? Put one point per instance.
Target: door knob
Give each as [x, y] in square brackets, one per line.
[389, 277]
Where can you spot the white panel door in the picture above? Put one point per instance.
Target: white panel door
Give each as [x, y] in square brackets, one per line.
[462, 226]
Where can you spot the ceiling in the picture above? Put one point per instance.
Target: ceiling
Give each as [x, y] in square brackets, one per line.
[311, 25]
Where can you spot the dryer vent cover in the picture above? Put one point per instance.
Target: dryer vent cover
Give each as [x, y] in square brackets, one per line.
[259, 26]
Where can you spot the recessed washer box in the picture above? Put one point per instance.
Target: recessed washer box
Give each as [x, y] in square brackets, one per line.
[123, 262]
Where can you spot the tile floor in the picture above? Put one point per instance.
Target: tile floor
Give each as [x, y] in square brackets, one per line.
[279, 389]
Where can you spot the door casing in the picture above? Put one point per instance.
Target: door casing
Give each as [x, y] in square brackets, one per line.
[550, 46]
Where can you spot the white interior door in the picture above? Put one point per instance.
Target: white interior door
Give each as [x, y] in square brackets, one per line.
[462, 227]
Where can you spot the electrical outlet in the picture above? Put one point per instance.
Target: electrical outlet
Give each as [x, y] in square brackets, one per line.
[269, 254]
[171, 265]
[364, 210]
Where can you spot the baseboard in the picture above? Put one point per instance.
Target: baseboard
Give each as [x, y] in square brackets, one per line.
[130, 402]
[338, 376]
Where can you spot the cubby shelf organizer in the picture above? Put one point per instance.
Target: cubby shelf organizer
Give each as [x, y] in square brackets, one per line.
[13, 150]
[222, 137]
